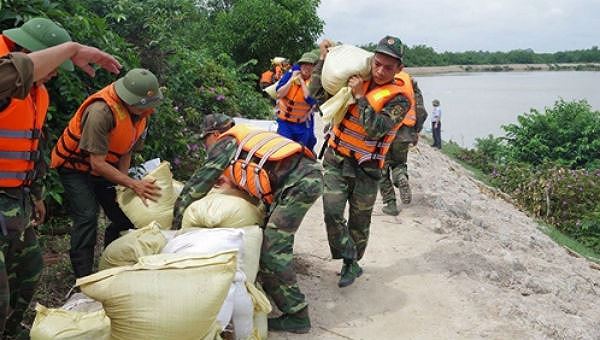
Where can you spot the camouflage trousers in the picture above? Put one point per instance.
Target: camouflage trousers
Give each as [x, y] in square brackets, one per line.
[395, 165]
[346, 181]
[20, 261]
[277, 272]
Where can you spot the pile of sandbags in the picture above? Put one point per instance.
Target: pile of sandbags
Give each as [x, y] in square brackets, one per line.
[342, 62]
[160, 211]
[165, 296]
[80, 318]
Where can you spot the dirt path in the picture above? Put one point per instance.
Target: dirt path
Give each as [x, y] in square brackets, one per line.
[457, 263]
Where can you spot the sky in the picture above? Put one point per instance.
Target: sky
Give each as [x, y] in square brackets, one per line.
[462, 25]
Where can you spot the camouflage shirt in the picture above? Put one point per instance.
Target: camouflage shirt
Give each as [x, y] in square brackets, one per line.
[409, 134]
[16, 76]
[219, 156]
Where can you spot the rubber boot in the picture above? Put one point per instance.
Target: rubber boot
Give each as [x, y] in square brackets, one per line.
[350, 271]
[390, 209]
[298, 322]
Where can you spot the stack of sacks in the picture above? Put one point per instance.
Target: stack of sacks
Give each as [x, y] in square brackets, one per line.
[230, 208]
[160, 211]
[127, 249]
[342, 62]
[81, 318]
[165, 296]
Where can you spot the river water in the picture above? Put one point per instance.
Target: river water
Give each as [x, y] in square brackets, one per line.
[477, 104]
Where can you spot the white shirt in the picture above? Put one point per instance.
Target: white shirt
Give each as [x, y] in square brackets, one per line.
[436, 115]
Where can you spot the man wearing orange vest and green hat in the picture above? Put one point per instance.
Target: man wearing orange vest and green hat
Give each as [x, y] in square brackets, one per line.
[21, 174]
[396, 158]
[93, 155]
[295, 106]
[285, 176]
[356, 151]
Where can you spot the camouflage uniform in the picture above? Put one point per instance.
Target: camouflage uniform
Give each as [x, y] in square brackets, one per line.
[347, 181]
[397, 155]
[297, 182]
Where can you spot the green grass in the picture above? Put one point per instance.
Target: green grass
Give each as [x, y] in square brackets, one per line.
[568, 242]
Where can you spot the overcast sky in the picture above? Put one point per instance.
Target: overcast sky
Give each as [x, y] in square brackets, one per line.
[461, 25]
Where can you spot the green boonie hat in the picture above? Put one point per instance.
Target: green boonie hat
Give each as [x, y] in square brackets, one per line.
[139, 88]
[216, 122]
[308, 58]
[391, 46]
[436, 102]
[40, 33]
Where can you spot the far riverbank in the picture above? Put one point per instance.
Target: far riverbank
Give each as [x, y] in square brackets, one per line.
[431, 70]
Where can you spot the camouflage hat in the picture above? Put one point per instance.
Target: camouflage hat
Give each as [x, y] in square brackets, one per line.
[40, 33]
[308, 58]
[139, 88]
[391, 46]
[216, 122]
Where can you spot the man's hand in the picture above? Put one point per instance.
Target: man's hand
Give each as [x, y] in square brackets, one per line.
[324, 48]
[39, 210]
[86, 55]
[146, 189]
[355, 84]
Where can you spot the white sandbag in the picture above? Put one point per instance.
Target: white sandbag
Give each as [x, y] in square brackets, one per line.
[226, 311]
[225, 208]
[271, 90]
[127, 249]
[243, 312]
[336, 107]
[177, 187]
[62, 324]
[80, 302]
[342, 62]
[165, 296]
[160, 211]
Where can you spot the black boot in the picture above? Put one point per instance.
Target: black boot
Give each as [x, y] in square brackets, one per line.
[350, 271]
[298, 322]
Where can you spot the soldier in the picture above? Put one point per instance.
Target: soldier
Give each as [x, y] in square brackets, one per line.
[282, 174]
[356, 151]
[94, 153]
[397, 155]
[295, 119]
[21, 176]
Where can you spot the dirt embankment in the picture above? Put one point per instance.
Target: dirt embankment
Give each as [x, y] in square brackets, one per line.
[458, 263]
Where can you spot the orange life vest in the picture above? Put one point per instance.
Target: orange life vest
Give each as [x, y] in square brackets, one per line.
[349, 137]
[122, 138]
[255, 148]
[267, 77]
[293, 107]
[21, 124]
[404, 80]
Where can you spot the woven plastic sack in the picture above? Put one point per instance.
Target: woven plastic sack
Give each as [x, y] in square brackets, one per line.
[342, 62]
[160, 211]
[127, 249]
[336, 107]
[227, 208]
[63, 324]
[271, 90]
[165, 296]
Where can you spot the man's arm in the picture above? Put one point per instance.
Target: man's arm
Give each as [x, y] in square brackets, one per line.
[202, 181]
[420, 108]
[16, 76]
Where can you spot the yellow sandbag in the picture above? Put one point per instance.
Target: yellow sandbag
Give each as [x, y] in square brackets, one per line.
[165, 296]
[160, 211]
[342, 62]
[222, 208]
[127, 249]
[177, 187]
[271, 90]
[335, 107]
[61, 324]
[261, 328]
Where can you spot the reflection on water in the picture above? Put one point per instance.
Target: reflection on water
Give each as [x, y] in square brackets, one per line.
[477, 104]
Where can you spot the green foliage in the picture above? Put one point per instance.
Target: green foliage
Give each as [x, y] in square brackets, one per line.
[550, 165]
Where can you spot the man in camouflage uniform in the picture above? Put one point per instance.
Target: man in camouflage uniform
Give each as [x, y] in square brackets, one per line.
[396, 160]
[347, 180]
[21, 194]
[296, 183]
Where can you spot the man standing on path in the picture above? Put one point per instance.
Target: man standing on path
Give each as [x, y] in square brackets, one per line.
[397, 156]
[356, 152]
[94, 154]
[282, 174]
[436, 124]
[22, 172]
[295, 119]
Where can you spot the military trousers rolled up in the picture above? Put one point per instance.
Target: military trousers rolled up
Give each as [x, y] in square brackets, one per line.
[277, 272]
[347, 182]
[21, 261]
[84, 193]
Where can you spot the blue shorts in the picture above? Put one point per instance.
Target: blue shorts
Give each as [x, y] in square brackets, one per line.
[303, 133]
